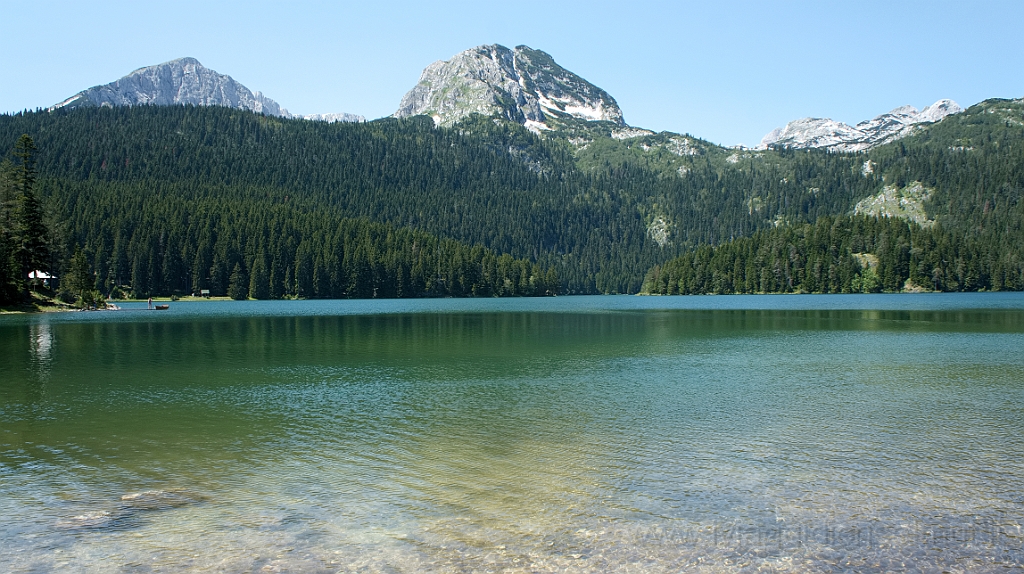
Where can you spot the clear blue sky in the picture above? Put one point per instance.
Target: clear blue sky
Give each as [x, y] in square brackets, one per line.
[725, 71]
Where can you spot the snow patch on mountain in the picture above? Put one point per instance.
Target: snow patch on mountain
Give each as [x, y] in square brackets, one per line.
[838, 136]
[939, 110]
[536, 127]
[522, 85]
[331, 118]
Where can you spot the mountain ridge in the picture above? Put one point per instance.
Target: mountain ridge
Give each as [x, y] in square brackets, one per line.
[185, 81]
[837, 136]
[600, 213]
[522, 85]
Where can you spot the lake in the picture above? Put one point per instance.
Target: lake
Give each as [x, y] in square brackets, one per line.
[574, 434]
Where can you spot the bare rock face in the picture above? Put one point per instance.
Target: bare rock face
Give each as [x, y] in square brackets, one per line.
[523, 85]
[186, 82]
[892, 201]
[837, 136]
[812, 132]
[331, 118]
[179, 82]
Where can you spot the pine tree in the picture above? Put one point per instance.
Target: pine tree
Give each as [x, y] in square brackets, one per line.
[238, 284]
[259, 281]
[32, 251]
[9, 267]
[79, 279]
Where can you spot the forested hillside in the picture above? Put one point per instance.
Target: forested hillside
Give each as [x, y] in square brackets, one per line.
[450, 183]
[974, 238]
[489, 183]
[177, 199]
[842, 255]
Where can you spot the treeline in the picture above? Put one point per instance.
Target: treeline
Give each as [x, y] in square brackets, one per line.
[275, 251]
[271, 250]
[483, 182]
[842, 255]
[585, 213]
[125, 239]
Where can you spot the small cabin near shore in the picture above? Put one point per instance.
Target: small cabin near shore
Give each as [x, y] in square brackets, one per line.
[41, 277]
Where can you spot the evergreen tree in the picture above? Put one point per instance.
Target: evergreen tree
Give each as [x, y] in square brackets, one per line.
[259, 283]
[32, 251]
[10, 270]
[238, 284]
[80, 280]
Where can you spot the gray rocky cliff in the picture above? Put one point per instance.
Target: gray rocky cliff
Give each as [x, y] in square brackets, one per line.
[331, 118]
[179, 82]
[186, 82]
[522, 84]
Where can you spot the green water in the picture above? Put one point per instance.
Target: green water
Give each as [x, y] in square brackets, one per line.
[591, 434]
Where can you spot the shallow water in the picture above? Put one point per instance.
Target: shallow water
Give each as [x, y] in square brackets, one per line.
[580, 434]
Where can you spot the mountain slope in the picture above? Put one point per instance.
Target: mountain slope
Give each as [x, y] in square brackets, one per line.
[179, 82]
[836, 136]
[490, 183]
[185, 81]
[522, 85]
[599, 201]
[950, 207]
[331, 118]
[600, 221]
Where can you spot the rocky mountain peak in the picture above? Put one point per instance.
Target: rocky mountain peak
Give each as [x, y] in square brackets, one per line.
[331, 118]
[826, 133]
[939, 110]
[521, 84]
[185, 81]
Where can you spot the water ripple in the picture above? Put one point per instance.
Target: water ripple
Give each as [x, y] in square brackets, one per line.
[620, 440]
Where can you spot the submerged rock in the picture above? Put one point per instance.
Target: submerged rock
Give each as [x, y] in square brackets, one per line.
[159, 499]
[129, 507]
[99, 519]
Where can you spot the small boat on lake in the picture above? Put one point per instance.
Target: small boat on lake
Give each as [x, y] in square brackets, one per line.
[161, 307]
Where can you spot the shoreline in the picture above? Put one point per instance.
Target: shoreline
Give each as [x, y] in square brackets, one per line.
[46, 305]
[40, 304]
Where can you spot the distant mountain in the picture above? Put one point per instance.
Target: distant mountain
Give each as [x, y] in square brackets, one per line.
[523, 85]
[330, 118]
[185, 82]
[838, 136]
[179, 82]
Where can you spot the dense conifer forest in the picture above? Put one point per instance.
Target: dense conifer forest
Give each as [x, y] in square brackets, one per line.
[975, 163]
[176, 200]
[841, 255]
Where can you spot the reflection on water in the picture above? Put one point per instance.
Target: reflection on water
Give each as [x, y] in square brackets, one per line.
[41, 340]
[516, 440]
